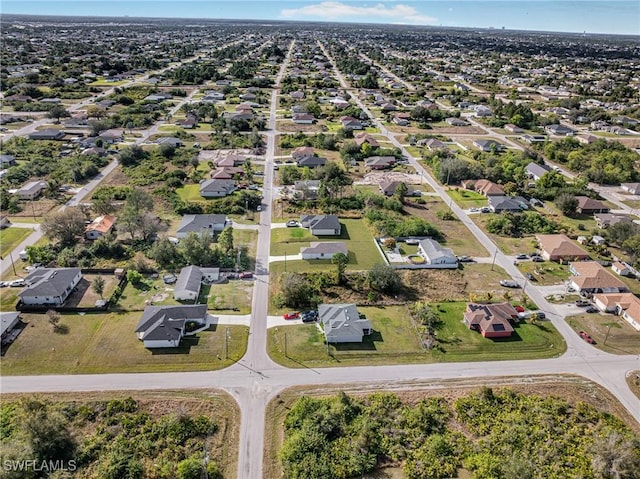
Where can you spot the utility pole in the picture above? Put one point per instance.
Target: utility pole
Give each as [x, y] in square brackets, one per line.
[226, 343]
[285, 260]
[493, 263]
[285, 345]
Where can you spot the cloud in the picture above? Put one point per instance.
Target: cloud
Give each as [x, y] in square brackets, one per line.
[336, 11]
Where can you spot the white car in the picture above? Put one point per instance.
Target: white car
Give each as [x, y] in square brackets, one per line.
[16, 283]
[508, 283]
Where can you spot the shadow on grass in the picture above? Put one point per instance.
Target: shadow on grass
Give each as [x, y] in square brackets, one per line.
[367, 344]
[185, 347]
[515, 337]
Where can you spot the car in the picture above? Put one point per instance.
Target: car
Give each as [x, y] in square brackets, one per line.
[582, 302]
[247, 275]
[522, 256]
[276, 167]
[586, 337]
[259, 208]
[412, 241]
[508, 283]
[519, 309]
[485, 209]
[16, 283]
[538, 314]
[309, 316]
[34, 266]
[530, 277]
[4, 284]
[292, 224]
[591, 309]
[537, 259]
[293, 315]
[465, 259]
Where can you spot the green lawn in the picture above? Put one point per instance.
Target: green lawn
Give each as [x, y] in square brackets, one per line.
[222, 298]
[546, 273]
[106, 343]
[395, 341]
[135, 298]
[467, 199]
[355, 234]
[622, 338]
[12, 237]
[190, 193]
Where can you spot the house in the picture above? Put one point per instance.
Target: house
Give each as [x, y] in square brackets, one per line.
[559, 247]
[209, 224]
[7, 160]
[559, 130]
[488, 145]
[226, 173]
[49, 286]
[302, 152]
[190, 279]
[433, 145]
[534, 138]
[99, 227]
[598, 240]
[588, 206]
[8, 321]
[631, 188]
[604, 220]
[322, 225]
[491, 320]
[189, 122]
[379, 162]
[484, 187]
[324, 250]
[343, 324]
[164, 326]
[170, 140]
[389, 187]
[621, 269]
[312, 161]
[513, 128]
[400, 121]
[306, 189]
[217, 188]
[535, 170]
[591, 277]
[4, 221]
[212, 97]
[362, 138]
[626, 305]
[232, 159]
[112, 136]
[47, 134]
[456, 122]
[434, 254]
[350, 123]
[303, 118]
[500, 203]
[586, 140]
[32, 190]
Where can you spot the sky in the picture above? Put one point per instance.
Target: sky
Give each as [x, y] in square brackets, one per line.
[591, 16]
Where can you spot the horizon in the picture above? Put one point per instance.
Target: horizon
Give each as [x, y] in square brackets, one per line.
[593, 17]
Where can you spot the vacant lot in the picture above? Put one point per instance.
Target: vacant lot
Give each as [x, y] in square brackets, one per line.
[12, 237]
[545, 273]
[85, 295]
[395, 341]
[620, 337]
[106, 343]
[233, 297]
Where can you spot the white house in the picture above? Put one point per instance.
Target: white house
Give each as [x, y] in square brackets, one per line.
[626, 305]
[434, 254]
[620, 269]
[199, 224]
[164, 326]
[32, 190]
[49, 286]
[99, 227]
[343, 324]
[321, 225]
[190, 281]
[325, 250]
[216, 188]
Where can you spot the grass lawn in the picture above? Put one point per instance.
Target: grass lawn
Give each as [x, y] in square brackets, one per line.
[622, 339]
[395, 341]
[9, 298]
[12, 237]
[190, 193]
[222, 298]
[467, 199]
[546, 273]
[150, 292]
[106, 343]
[355, 234]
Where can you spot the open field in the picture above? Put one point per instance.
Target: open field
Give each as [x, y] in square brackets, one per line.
[223, 298]
[106, 343]
[395, 341]
[621, 338]
[12, 237]
[190, 193]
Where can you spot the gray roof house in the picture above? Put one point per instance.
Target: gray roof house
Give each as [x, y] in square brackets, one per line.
[434, 254]
[322, 225]
[631, 188]
[342, 323]
[7, 160]
[199, 224]
[312, 161]
[501, 203]
[559, 130]
[388, 187]
[170, 140]
[47, 134]
[49, 286]
[8, 321]
[535, 171]
[189, 282]
[487, 145]
[31, 190]
[379, 162]
[323, 250]
[164, 326]
[217, 188]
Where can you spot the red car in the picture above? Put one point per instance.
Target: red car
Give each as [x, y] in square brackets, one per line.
[586, 337]
[294, 315]
[519, 309]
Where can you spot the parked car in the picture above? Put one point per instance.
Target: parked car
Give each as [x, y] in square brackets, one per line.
[538, 314]
[247, 275]
[412, 241]
[591, 309]
[537, 259]
[522, 256]
[16, 283]
[465, 259]
[508, 283]
[4, 284]
[309, 316]
[292, 224]
[586, 337]
[473, 210]
[485, 209]
[259, 208]
[292, 315]
[582, 302]
[519, 309]
[530, 277]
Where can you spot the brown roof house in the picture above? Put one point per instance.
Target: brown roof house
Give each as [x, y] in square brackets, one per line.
[591, 277]
[626, 305]
[99, 227]
[491, 320]
[484, 187]
[588, 206]
[366, 138]
[560, 248]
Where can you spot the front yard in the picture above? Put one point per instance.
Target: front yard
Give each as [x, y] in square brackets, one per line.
[395, 341]
[12, 237]
[467, 199]
[106, 343]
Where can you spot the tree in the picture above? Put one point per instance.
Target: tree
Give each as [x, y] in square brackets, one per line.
[102, 205]
[165, 253]
[54, 319]
[196, 249]
[64, 225]
[296, 290]
[401, 190]
[426, 316]
[58, 112]
[340, 260]
[384, 278]
[98, 285]
[567, 203]
[134, 215]
[225, 239]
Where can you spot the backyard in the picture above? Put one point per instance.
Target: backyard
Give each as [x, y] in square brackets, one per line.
[395, 341]
[106, 343]
[233, 297]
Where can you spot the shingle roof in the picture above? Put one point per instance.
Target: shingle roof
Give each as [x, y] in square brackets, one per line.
[434, 250]
[592, 275]
[325, 247]
[197, 223]
[190, 279]
[165, 322]
[560, 245]
[331, 222]
[49, 281]
[342, 319]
